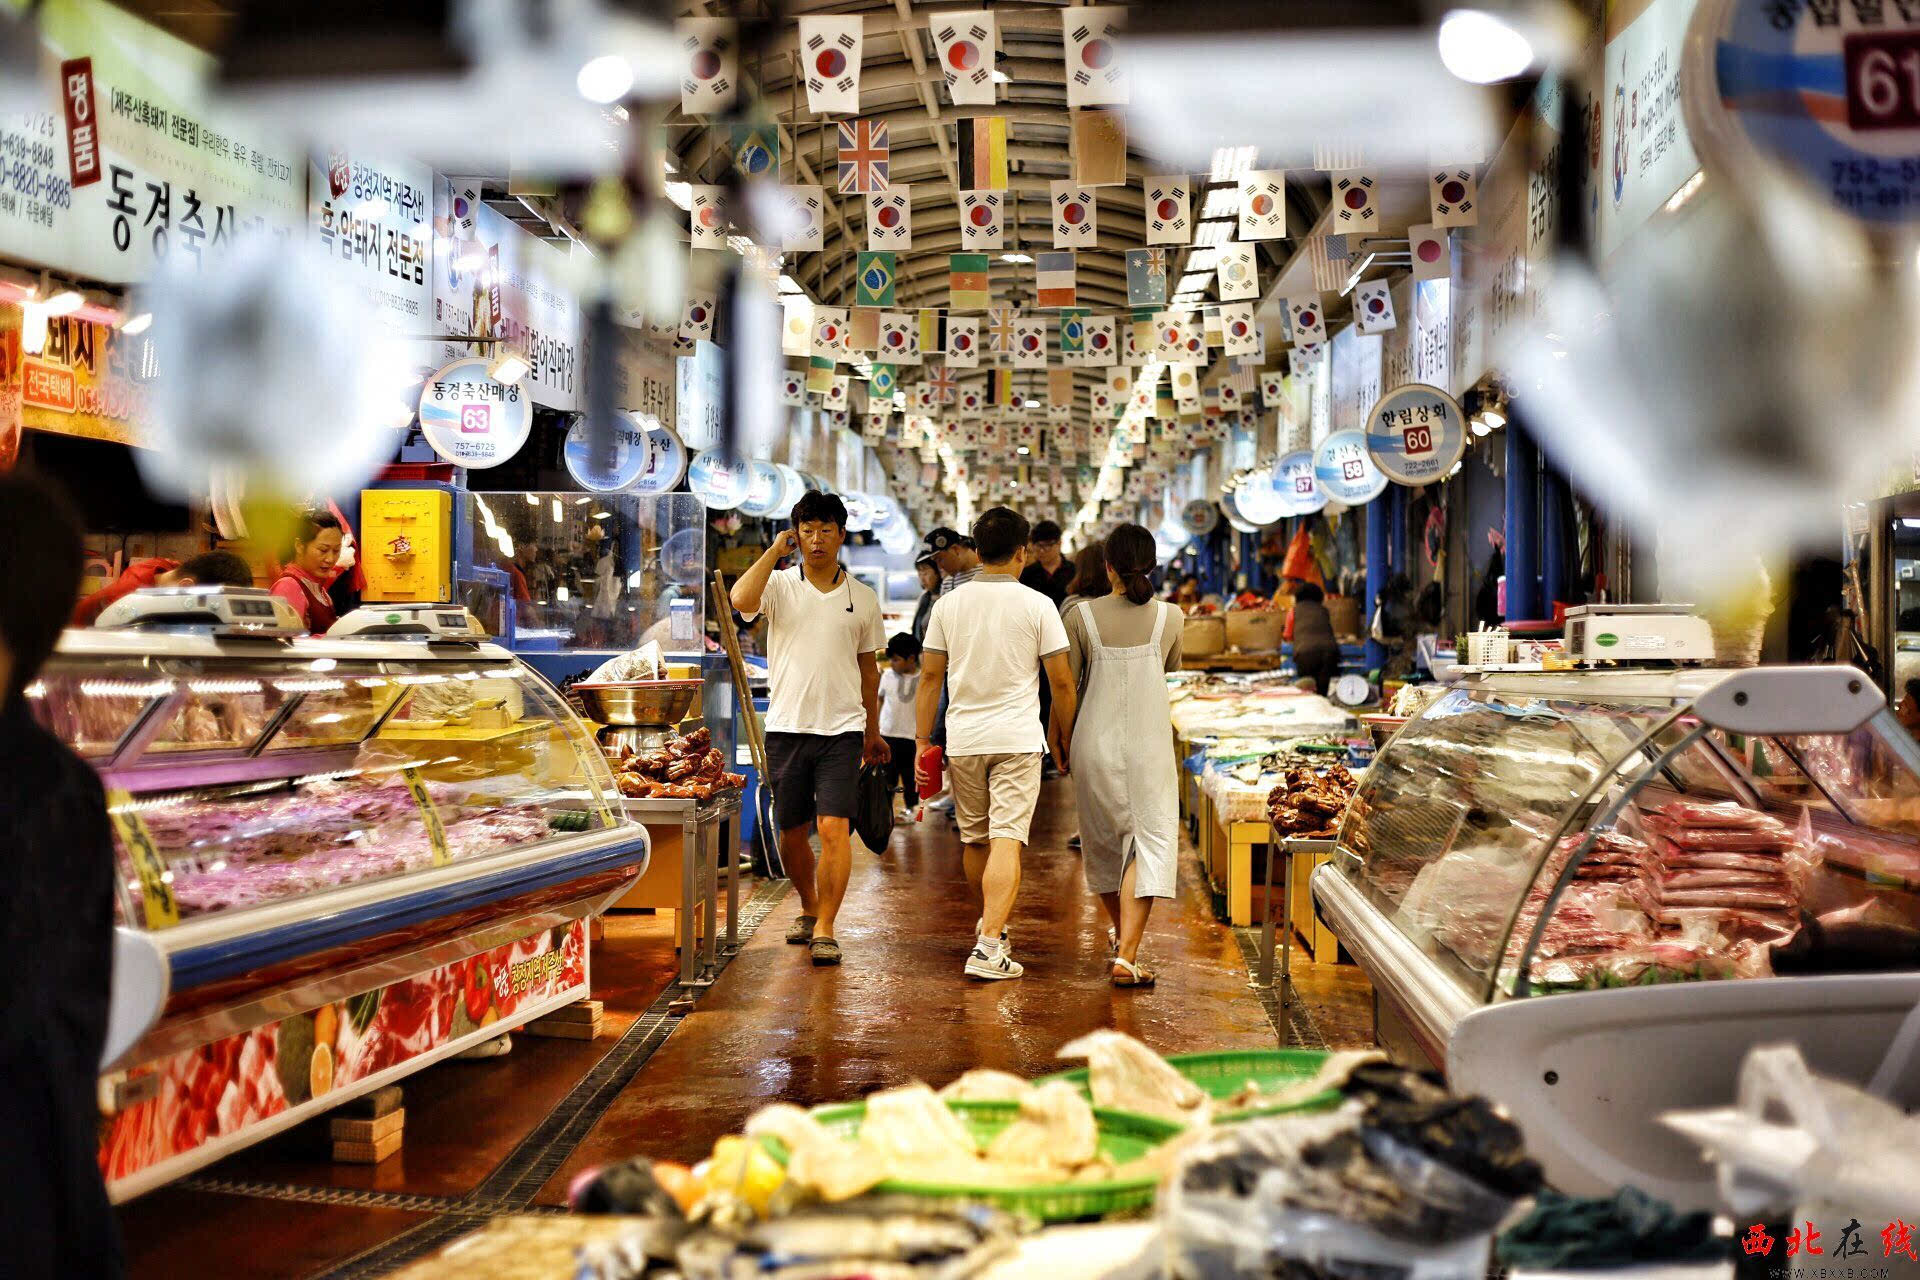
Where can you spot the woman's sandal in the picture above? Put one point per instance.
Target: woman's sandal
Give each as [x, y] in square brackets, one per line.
[1135, 976]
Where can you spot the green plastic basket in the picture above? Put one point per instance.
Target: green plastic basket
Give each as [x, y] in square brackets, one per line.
[1123, 1137]
[1224, 1074]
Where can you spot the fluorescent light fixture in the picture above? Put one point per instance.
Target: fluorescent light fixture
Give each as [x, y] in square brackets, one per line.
[1221, 202]
[681, 193]
[1481, 48]
[64, 303]
[1686, 192]
[1213, 233]
[1015, 257]
[602, 515]
[607, 78]
[533, 499]
[1229, 163]
[138, 324]
[1023, 451]
[33, 327]
[1030, 404]
[561, 594]
[558, 515]
[508, 365]
[1202, 258]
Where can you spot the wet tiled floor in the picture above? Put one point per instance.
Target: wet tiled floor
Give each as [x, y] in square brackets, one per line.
[772, 1028]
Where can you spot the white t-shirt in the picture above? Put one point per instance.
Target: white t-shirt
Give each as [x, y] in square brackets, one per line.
[995, 633]
[897, 713]
[814, 643]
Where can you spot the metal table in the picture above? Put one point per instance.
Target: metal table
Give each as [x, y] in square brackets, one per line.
[1282, 849]
[709, 847]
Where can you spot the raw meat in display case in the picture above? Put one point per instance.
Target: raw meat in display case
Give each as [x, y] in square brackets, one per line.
[352, 858]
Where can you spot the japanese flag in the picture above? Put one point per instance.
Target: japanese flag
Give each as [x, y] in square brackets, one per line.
[1373, 306]
[965, 42]
[708, 218]
[1029, 343]
[793, 389]
[709, 66]
[980, 214]
[890, 218]
[796, 330]
[1355, 201]
[830, 326]
[1073, 216]
[1454, 196]
[1305, 321]
[1427, 246]
[1096, 74]
[1101, 343]
[830, 52]
[803, 227]
[1238, 272]
[1165, 209]
[963, 342]
[696, 318]
[1263, 204]
[1237, 332]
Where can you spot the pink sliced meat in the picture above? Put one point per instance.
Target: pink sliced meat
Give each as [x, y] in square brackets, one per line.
[1722, 840]
[1717, 878]
[1711, 859]
[1754, 898]
[1724, 813]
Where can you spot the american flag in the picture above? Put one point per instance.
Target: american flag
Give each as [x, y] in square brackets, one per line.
[863, 156]
[940, 383]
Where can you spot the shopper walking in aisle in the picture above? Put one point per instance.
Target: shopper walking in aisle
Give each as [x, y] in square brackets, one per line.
[929, 592]
[56, 922]
[823, 717]
[899, 695]
[988, 640]
[958, 564]
[1049, 572]
[208, 569]
[1316, 653]
[1120, 648]
[1089, 577]
[309, 571]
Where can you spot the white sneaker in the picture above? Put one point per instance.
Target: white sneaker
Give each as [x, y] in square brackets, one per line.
[993, 960]
[980, 931]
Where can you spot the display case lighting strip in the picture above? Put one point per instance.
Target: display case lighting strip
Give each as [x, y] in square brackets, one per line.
[309, 685]
[145, 689]
[214, 688]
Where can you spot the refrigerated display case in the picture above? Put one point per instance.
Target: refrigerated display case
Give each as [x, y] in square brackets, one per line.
[1588, 894]
[349, 859]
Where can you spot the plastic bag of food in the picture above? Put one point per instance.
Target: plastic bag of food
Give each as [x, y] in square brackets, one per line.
[1127, 1076]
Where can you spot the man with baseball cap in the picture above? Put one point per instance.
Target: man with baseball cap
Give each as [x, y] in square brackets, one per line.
[954, 556]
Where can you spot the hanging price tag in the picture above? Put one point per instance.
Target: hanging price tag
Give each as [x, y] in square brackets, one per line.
[156, 886]
[436, 833]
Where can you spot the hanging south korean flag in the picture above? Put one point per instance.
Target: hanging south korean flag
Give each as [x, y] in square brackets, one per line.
[1454, 196]
[980, 219]
[1136, 340]
[1166, 209]
[1102, 342]
[793, 388]
[1237, 330]
[1263, 205]
[1355, 201]
[830, 51]
[803, 224]
[1427, 246]
[1170, 329]
[696, 318]
[966, 44]
[1102, 402]
[840, 398]
[970, 399]
[963, 342]
[1029, 343]
[1237, 267]
[710, 64]
[1305, 321]
[1273, 390]
[1073, 216]
[1096, 74]
[1195, 342]
[830, 332]
[899, 337]
[1373, 306]
[707, 217]
[796, 330]
[890, 218]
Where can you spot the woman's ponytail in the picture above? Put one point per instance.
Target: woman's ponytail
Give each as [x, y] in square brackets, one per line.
[1130, 554]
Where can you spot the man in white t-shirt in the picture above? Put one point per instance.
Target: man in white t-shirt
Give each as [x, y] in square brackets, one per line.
[989, 639]
[823, 715]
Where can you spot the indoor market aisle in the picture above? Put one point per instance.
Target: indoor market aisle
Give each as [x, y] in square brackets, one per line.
[494, 1136]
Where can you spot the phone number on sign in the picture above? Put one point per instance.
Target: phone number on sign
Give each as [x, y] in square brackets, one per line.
[37, 184]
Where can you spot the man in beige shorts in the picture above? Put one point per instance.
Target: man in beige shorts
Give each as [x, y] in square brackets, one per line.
[989, 639]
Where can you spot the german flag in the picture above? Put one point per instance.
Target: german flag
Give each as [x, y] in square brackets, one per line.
[967, 281]
[983, 153]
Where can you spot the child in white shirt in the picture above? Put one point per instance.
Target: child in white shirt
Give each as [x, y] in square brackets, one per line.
[899, 687]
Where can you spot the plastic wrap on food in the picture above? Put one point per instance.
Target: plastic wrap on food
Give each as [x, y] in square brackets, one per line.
[1719, 813]
[1125, 1075]
[1055, 1131]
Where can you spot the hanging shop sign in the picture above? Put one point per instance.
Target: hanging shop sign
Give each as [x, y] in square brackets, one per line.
[1354, 370]
[1345, 472]
[472, 419]
[717, 482]
[1416, 433]
[646, 457]
[1260, 500]
[371, 217]
[642, 366]
[700, 385]
[1294, 479]
[124, 165]
[1831, 91]
[84, 382]
[1199, 518]
[493, 280]
[1646, 150]
[766, 487]
[791, 487]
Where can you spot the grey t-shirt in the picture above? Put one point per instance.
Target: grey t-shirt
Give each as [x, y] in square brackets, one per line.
[1122, 624]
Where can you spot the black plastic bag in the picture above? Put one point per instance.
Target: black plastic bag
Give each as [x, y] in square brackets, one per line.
[873, 806]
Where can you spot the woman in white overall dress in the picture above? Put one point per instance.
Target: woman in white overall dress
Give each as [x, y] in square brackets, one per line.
[1121, 647]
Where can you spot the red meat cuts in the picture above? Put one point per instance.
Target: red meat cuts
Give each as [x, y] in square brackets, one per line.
[1724, 813]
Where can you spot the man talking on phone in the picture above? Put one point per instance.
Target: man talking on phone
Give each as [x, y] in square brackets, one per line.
[823, 717]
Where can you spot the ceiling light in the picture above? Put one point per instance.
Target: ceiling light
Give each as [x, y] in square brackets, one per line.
[607, 78]
[138, 324]
[533, 499]
[1001, 77]
[508, 365]
[1229, 163]
[1023, 451]
[64, 303]
[1030, 404]
[680, 193]
[1479, 426]
[33, 327]
[1494, 419]
[1482, 49]
[1213, 233]
[1015, 257]
[1221, 202]
[1686, 191]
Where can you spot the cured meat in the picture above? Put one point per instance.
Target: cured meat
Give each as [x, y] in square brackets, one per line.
[1715, 878]
[1781, 899]
[1705, 858]
[1724, 813]
[1723, 840]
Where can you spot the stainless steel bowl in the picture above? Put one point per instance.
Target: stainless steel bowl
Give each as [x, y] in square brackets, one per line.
[644, 703]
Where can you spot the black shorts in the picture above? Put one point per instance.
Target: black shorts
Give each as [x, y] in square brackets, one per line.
[814, 776]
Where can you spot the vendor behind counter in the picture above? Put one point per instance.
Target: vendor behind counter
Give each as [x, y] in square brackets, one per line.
[208, 569]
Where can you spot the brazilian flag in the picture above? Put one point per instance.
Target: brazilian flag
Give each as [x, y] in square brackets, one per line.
[1073, 331]
[883, 384]
[873, 282]
[756, 150]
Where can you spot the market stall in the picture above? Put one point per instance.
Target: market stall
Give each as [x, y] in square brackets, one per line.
[1689, 862]
[351, 858]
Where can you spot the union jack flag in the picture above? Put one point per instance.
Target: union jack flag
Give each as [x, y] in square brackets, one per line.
[1000, 330]
[864, 155]
[941, 384]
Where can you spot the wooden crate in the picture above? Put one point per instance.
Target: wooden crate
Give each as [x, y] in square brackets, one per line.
[580, 1020]
[1234, 660]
